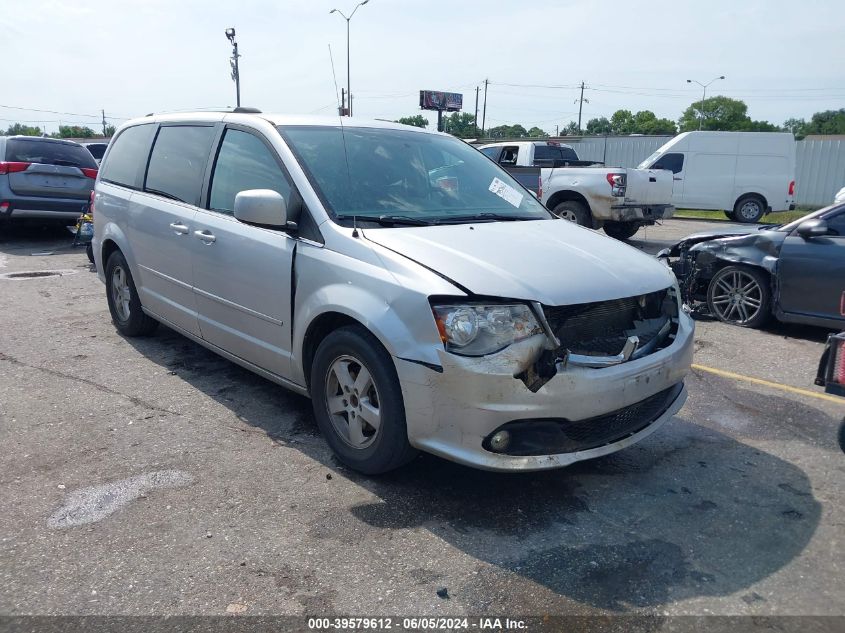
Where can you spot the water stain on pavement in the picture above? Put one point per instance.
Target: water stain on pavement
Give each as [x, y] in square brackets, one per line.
[89, 505]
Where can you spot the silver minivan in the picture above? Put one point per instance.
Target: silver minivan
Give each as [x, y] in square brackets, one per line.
[415, 291]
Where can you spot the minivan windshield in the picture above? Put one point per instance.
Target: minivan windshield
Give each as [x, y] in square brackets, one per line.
[399, 177]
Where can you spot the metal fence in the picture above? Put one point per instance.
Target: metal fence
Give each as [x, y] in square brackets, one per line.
[819, 170]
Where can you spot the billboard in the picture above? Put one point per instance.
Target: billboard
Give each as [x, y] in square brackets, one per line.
[436, 100]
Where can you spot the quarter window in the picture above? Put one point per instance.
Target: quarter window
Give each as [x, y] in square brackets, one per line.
[128, 157]
[177, 164]
[244, 162]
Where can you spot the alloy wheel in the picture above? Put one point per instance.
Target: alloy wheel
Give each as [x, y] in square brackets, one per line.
[737, 297]
[352, 401]
[120, 292]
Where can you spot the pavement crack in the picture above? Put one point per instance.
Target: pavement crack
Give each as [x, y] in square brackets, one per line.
[60, 374]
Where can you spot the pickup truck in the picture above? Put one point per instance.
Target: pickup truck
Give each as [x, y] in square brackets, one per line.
[617, 199]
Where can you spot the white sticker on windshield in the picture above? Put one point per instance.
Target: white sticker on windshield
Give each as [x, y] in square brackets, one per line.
[504, 190]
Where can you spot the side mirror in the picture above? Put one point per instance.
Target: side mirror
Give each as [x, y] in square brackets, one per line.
[812, 228]
[261, 206]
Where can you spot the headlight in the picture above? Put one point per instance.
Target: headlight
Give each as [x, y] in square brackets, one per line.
[476, 330]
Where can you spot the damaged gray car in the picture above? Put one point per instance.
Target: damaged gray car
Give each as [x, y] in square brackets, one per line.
[408, 285]
[745, 275]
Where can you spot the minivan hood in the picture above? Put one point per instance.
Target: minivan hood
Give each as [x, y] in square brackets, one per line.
[554, 262]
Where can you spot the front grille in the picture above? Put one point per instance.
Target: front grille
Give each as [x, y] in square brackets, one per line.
[602, 328]
[550, 436]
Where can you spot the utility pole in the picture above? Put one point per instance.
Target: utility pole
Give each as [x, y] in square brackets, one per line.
[233, 62]
[342, 102]
[581, 105]
[484, 112]
[475, 118]
[557, 130]
[104, 122]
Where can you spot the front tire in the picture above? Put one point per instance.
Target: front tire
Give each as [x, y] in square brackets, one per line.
[621, 230]
[573, 211]
[358, 402]
[749, 209]
[124, 304]
[730, 215]
[740, 296]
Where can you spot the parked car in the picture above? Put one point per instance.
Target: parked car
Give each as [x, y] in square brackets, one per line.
[840, 197]
[745, 174]
[588, 193]
[417, 293]
[97, 150]
[44, 179]
[744, 275]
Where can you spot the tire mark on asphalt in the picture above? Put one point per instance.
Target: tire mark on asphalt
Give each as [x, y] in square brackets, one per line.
[60, 374]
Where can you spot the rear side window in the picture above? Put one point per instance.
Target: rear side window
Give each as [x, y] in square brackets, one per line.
[177, 163]
[672, 162]
[48, 152]
[554, 152]
[836, 224]
[244, 162]
[128, 156]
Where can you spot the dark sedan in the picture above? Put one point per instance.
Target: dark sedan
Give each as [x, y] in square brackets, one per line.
[746, 274]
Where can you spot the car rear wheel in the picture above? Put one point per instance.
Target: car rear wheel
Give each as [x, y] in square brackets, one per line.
[358, 402]
[621, 230]
[749, 209]
[124, 303]
[573, 211]
[739, 296]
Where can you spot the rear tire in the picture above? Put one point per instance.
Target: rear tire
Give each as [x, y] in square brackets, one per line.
[124, 304]
[621, 230]
[573, 211]
[358, 402]
[740, 295]
[749, 209]
[89, 251]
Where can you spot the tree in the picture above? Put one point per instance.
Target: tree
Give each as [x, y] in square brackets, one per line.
[827, 122]
[598, 126]
[796, 126]
[461, 124]
[74, 131]
[508, 131]
[536, 132]
[416, 120]
[646, 122]
[570, 129]
[721, 113]
[622, 122]
[22, 130]
[109, 131]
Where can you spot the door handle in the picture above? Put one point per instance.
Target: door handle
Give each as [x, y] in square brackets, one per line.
[179, 228]
[676, 178]
[652, 179]
[206, 236]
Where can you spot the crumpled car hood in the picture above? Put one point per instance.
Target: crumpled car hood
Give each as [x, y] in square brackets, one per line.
[716, 234]
[554, 262]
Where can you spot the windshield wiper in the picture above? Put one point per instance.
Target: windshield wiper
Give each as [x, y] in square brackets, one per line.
[389, 220]
[164, 194]
[485, 217]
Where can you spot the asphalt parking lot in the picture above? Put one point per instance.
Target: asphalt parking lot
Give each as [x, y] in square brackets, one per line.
[149, 476]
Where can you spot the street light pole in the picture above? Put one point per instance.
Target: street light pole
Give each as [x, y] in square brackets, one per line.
[703, 95]
[348, 73]
[236, 75]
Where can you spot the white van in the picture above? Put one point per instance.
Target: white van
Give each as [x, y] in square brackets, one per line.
[745, 174]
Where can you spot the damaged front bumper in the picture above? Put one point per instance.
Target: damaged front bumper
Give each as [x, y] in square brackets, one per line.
[454, 412]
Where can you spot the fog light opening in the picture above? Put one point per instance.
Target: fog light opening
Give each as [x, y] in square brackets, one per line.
[500, 441]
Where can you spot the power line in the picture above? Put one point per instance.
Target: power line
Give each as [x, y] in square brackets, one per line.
[95, 116]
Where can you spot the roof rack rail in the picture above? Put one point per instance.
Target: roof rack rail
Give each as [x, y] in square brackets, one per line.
[246, 110]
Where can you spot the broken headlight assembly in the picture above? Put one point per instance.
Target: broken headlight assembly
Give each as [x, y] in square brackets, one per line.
[479, 329]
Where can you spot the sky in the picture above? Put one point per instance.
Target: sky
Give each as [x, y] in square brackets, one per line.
[78, 57]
